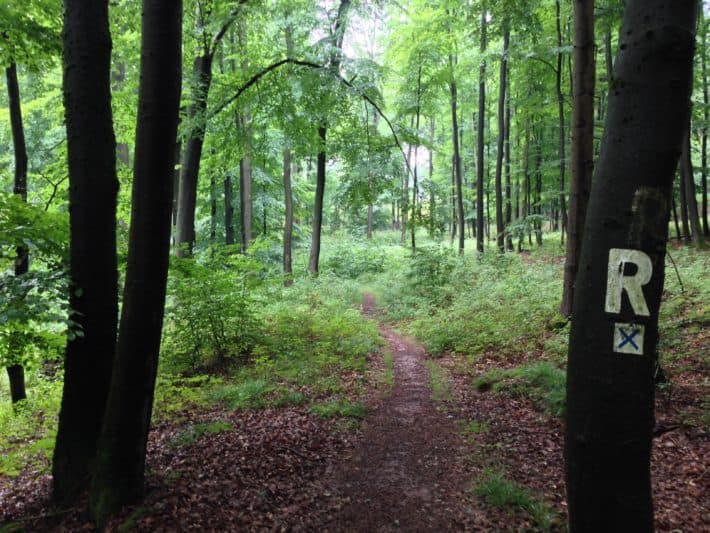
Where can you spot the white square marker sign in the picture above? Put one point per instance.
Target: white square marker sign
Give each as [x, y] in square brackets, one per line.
[628, 338]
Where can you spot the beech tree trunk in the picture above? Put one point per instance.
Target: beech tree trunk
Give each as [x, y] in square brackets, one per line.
[334, 64]
[481, 130]
[16, 372]
[318, 207]
[228, 210]
[93, 298]
[120, 464]
[706, 119]
[461, 223]
[612, 354]
[582, 143]
[245, 198]
[508, 199]
[561, 124]
[500, 225]
[191, 156]
[686, 174]
[288, 219]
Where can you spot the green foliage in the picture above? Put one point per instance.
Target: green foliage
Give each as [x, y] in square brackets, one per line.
[210, 317]
[542, 382]
[243, 394]
[338, 408]
[352, 258]
[438, 381]
[474, 427]
[429, 269]
[28, 428]
[499, 491]
[195, 432]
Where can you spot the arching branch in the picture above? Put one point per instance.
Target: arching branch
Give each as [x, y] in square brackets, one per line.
[309, 64]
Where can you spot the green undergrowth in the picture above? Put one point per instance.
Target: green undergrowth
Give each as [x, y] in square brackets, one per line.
[193, 433]
[498, 490]
[542, 382]
[338, 408]
[28, 430]
[468, 304]
[438, 381]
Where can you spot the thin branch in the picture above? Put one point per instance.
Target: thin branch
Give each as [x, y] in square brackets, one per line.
[225, 27]
[308, 64]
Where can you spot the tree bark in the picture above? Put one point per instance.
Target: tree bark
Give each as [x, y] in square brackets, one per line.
[318, 207]
[582, 143]
[457, 166]
[15, 371]
[120, 463]
[508, 199]
[481, 126]
[561, 123]
[706, 119]
[228, 210]
[500, 225]
[334, 64]
[93, 298]
[688, 178]
[192, 154]
[610, 380]
[288, 219]
[245, 198]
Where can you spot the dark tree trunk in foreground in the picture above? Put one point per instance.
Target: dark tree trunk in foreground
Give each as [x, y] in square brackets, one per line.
[16, 372]
[612, 355]
[120, 463]
[318, 207]
[688, 183]
[500, 226]
[191, 156]
[288, 219]
[93, 298]
[582, 143]
[481, 127]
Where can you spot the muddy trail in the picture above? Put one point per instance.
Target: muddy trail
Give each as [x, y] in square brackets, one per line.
[407, 472]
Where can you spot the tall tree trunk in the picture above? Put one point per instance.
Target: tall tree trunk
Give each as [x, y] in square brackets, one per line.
[582, 144]
[192, 155]
[245, 199]
[675, 217]
[288, 219]
[213, 209]
[120, 464]
[481, 126]
[228, 210]
[93, 298]
[612, 354]
[508, 202]
[334, 65]
[561, 117]
[684, 208]
[415, 183]
[706, 120]
[457, 165]
[318, 207]
[15, 371]
[538, 189]
[686, 173]
[500, 225]
[432, 192]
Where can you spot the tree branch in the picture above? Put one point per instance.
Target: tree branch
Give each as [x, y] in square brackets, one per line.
[315, 66]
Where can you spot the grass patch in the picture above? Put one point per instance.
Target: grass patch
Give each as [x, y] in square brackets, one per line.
[438, 381]
[387, 375]
[251, 393]
[474, 427]
[499, 491]
[195, 432]
[338, 408]
[543, 382]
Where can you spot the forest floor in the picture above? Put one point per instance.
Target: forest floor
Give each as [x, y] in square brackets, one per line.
[432, 453]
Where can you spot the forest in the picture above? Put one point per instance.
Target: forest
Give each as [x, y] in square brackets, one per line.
[354, 265]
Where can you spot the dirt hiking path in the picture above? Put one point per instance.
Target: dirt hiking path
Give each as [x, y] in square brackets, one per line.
[407, 473]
